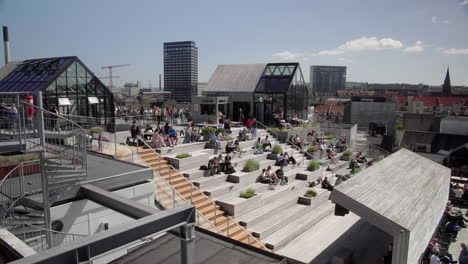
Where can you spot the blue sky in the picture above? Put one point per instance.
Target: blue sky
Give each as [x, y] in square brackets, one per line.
[378, 40]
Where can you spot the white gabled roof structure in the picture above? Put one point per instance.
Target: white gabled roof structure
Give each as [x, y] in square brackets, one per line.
[235, 78]
[404, 195]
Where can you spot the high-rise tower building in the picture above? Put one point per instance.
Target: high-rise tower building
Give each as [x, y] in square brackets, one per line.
[327, 79]
[181, 70]
[447, 87]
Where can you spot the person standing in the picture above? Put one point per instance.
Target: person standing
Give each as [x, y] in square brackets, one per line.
[13, 113]
[463, 258]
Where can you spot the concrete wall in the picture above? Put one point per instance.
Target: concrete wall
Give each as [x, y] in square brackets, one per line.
[454, 126]
[418, 122]
[363, 113]
[87, 217]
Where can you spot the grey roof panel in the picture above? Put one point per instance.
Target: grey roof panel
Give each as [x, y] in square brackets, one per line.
[235, 77]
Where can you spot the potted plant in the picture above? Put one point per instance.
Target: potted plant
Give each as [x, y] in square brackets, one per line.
[207, 131]
[183, 156]
[251, 165]
[275, 151]
[8, 163]
[330, 136]
[313, 152]
[346, 155]
[249, 193]
[313, 166]
[310, 194]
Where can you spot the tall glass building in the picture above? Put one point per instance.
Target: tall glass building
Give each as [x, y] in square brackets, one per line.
[327, 79]
[181, 70]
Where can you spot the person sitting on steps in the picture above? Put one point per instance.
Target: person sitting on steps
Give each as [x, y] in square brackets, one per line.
[288, 159]
[326, 184]
[266, 143]
[213, 166]
[280, 174]
[237, 149]
[272, 175]
[258, 146]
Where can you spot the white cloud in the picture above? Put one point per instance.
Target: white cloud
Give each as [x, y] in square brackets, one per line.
[287, 55]
[436, 20]
[453, 51]
[363, 44]
[465, 2]
[417, 47]
[356, 45]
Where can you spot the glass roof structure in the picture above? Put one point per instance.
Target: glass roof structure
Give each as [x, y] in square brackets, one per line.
[33, 75]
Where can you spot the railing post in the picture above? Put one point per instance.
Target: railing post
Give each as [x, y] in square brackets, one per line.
[228, 226]
[191, 196]
[115, 144]
[214, 208]
[173, 199]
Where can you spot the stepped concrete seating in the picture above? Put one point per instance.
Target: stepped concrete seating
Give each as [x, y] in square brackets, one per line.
[257, 216]
[201, 157]
[235, 205]
[222, 188]
[277, 220]
[290, 230]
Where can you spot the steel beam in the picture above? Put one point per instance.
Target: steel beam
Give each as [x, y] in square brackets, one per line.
[86, 249]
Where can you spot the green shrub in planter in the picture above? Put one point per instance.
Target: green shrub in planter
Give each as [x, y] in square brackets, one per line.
[220, 130]
[247, 193]
[251, 165]
[277, 149]
[227, 138]
[348, 153]
[183, 156]
[13, 160]
[208, 130]
[310, 194]
[313, 165]
[356, 170]
[313, 149]
[330, 137]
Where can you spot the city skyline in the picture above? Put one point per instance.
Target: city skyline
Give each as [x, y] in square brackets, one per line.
[378, 41]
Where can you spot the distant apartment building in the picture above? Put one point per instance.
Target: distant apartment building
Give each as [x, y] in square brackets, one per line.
[181, 70]
[327, 79]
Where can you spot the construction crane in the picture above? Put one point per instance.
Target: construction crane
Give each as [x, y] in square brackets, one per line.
[111, 84]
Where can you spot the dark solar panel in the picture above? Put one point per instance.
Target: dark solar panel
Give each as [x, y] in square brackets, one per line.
[33, 75]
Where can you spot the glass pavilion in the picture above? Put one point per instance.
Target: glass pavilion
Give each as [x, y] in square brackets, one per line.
[280, 90]
[65, 82]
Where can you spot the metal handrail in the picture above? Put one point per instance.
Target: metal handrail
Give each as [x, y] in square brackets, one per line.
[267, 128]
[203, 194]
[174, 191]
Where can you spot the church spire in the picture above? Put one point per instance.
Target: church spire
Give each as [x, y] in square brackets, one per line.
[447, 87]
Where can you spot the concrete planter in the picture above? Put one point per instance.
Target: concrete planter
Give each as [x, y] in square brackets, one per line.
[272, 156]
[315, 155]
[346, 158]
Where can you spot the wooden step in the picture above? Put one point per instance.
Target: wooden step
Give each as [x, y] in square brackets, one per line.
[212, 215]
[209, 209]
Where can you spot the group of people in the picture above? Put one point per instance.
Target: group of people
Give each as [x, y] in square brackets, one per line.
[435, 253]
[234, 147]
[217, 165]
[284, 160]
[159, 114]
[160, 137]
[459, 192]
[273, 177]
[260, 145]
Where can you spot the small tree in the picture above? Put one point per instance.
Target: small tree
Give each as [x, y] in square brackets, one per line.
[313, 166]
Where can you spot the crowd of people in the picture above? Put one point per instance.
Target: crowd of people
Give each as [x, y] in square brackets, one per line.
[160, 114]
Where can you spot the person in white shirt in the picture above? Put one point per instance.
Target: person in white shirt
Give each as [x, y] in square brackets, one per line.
[458, 192]
[266, 143]
[435, 258]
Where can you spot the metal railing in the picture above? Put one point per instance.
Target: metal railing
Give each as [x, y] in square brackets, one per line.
[35, 236]
[173, 172]
[164, 189]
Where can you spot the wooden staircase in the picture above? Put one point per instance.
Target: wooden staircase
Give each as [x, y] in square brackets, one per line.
[214, 213]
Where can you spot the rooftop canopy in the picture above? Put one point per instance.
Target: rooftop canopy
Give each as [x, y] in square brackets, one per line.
[404, 195]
